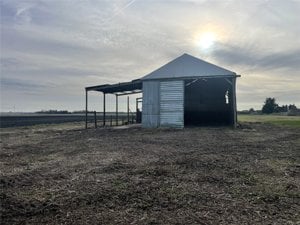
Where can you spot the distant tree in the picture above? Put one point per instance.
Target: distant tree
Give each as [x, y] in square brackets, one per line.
[293, 110]
[292, 107]
[251, 110]
[269, 106]
[53, 111]
[280, 109]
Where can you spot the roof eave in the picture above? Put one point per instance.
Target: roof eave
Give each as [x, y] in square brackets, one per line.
[192, 77]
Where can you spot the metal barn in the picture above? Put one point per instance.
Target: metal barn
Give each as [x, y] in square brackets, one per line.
[185, 92]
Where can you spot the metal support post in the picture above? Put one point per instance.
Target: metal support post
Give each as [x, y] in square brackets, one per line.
[95, 118]
[104, 112]
[86, 108]
[117, 119]
[128, 110]
[234, 102]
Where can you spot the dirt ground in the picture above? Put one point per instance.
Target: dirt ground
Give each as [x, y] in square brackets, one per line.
[64, 174]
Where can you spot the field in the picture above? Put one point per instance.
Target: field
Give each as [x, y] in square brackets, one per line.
[63, 174]
[291, 121]
[29, 119]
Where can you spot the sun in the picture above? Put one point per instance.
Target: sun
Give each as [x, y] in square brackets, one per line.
[207, 40]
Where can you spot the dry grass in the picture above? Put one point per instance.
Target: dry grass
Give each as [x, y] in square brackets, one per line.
[66, 175]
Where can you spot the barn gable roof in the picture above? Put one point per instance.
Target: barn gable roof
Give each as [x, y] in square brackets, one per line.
[186, 66]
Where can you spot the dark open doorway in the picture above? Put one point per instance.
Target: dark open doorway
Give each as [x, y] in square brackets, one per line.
[208, 102]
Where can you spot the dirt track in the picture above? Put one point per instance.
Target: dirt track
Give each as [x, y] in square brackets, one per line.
[66, 175]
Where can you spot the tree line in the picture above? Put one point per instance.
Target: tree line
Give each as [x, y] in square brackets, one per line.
[53, 111]
[270, 106]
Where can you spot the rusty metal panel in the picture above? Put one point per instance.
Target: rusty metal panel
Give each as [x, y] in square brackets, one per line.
[172, 103]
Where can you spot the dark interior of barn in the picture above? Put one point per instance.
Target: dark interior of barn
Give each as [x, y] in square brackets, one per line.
[208, 102]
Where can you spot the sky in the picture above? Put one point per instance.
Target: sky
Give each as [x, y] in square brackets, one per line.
[52, 49]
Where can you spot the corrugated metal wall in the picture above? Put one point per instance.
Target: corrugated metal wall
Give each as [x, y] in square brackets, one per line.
[172, 104]
[150, 108]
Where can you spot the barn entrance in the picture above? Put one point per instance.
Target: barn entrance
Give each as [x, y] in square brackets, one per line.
[208, 101]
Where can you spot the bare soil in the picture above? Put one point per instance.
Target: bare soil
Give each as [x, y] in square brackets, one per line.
[199, 175]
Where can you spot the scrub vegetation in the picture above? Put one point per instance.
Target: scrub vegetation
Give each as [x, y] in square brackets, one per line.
[63, 174]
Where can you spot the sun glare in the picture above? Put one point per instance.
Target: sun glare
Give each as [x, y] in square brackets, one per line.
[207, 40]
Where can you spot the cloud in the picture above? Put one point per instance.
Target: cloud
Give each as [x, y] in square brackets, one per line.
[8, 63]
[255, 60]
[59, 47]
[22, 86]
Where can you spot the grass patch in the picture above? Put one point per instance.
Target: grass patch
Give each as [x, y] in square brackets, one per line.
[290, 121]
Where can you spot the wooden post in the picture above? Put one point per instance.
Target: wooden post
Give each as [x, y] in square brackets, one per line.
[234, 102]
[104, 113]
[86, 108]
[128, 109]
[95, 118]
[117, 119]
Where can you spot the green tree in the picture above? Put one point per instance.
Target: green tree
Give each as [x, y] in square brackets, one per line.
[269, 106]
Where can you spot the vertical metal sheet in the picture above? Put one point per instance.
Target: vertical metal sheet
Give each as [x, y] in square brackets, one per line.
[172, 104]
[150, 107]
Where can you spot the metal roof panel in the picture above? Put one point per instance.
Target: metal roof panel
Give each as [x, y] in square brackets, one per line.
[187, 66]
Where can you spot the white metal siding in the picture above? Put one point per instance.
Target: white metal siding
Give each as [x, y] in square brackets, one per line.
[172, 104]
[150, 110]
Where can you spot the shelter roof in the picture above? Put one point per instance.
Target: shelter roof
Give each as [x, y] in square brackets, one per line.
[132, 87]
[186, 66]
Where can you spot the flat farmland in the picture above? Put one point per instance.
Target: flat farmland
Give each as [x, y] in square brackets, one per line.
[289, 121]
[63, 174]
[36, 119]
[30, 119]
